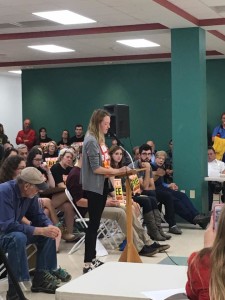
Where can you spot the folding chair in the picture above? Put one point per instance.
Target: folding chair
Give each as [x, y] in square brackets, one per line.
[5, 266]
[101, 251]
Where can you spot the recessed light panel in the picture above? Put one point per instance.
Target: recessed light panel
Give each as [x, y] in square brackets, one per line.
[51, 48]
[138, 43]
[64, 17]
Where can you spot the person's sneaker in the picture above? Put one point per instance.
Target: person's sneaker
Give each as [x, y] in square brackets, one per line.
[175, 230]
[159, 247]
[201, 220]
[95, 264]
[148, 251]
[122, 245]
[87, 269]
[62, 274]
[44, 282]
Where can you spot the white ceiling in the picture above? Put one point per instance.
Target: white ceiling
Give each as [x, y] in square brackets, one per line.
[96, 43]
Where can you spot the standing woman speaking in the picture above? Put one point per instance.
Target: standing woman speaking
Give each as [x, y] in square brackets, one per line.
[95, 172]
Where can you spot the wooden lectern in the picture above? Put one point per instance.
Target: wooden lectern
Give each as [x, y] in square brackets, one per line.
[130, 253]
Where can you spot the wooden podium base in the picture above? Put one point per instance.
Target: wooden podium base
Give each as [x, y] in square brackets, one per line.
[130, 254]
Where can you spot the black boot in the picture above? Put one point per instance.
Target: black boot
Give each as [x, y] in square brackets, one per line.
[158, 223]
[152, 228]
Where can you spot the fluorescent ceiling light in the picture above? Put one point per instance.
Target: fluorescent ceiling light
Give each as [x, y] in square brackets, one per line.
[64, 17]
[138, 43]
[51, 48]
[16, 71]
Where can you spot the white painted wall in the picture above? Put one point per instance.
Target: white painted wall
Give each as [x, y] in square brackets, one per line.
[11, 105]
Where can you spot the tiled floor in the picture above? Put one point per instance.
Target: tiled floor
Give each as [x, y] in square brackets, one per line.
[183, 245]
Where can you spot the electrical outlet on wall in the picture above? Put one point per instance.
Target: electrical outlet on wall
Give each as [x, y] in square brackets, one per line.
[182, 191]
[192, 194]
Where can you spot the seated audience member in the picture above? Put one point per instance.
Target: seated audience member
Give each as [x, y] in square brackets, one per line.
[148, 189]
[135, 152]
[215, 169]
[79, 136]
[218, 138]
[35, 160]
[114, 142]
[15, 236]
[206, 267]
[1, 153]
[151, 214]
[219, 130]
[64, 142]
[7, 145]
[182, 204]
[11, 168]
[43, 139]
[9, 152]
[26, 136]
[51, 150]
[152, 145]
[3, 136]
[112, 210]
[168, 178]
[23, 150]
[60, 171]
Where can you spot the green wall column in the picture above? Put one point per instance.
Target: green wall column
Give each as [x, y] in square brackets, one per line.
[189, 113]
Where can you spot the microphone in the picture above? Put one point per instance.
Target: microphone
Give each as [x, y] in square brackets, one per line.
[119, 143]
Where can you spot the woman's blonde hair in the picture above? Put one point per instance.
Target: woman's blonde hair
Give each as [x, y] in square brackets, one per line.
[161, 153]
[217, 262]
[63, 152]
[217, 280]
[93, 127]
[52, 142]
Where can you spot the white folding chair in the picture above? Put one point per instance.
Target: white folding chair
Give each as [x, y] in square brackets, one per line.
[4, 280]
[100, 249]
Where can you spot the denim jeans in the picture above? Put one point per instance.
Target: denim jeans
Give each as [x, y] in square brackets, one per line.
[182, 204]
[14, 243]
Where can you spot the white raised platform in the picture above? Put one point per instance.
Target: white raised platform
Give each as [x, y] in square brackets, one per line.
[126, 281]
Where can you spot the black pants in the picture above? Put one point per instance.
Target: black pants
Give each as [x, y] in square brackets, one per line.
[214, 190]
[166, 199]
[147, 201]
[96, 204]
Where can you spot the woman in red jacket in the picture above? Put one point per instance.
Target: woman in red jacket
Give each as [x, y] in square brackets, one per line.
[206, 268]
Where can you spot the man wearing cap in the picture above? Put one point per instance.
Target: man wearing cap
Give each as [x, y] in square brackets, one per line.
[18, 199]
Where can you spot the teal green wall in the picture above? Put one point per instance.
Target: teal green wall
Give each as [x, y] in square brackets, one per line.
[59, 98]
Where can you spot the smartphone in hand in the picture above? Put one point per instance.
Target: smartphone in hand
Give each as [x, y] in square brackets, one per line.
[216, 214]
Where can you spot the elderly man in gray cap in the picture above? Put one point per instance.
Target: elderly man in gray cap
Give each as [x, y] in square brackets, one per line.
[18, 199]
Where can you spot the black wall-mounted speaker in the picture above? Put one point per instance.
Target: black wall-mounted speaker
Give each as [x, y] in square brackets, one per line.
[120, 119]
